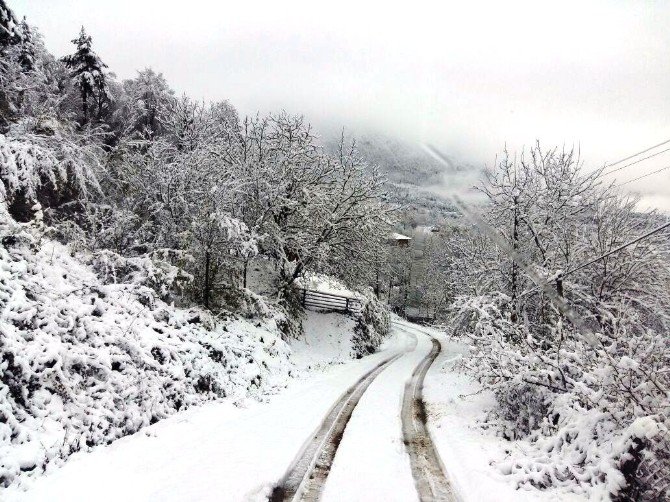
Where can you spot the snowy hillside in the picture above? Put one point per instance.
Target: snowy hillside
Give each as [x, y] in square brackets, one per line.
[241, 450]
[83, 362]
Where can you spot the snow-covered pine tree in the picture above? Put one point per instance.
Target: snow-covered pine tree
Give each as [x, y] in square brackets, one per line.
[28, 50]
[10, 30]
[88, 73]
[10, 36]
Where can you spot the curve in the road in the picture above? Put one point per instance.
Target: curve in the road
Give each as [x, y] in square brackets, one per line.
[430, 479]
[307, 475]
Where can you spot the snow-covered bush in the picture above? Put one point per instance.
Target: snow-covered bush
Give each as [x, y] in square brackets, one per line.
[568, 317]
[592, 409]
[372, 326]
[151, 270]
[47, 168]
[289, 302]
[100, 226]
[249, 305]
[84, 361]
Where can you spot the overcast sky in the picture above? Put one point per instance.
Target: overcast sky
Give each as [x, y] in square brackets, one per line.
[465, 76]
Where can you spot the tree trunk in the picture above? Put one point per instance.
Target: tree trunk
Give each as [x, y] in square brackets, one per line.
[84, 105]
[205, 293]
[101, 104]
[515, 271]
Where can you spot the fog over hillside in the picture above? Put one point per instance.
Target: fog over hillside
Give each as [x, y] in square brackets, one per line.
[423, 178]
[401, 161]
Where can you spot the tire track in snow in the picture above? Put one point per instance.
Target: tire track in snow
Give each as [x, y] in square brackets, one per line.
[428, 472]
[307, 475]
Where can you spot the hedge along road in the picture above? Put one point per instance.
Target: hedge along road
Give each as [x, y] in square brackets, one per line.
[368, 446]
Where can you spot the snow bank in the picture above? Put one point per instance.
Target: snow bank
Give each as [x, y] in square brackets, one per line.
[333, 338]
[42, 167]
[591, 412]
[326, 341]
[83, 362]
[372, 325]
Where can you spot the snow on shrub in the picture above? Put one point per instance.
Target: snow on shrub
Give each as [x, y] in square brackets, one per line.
[151, 270]
[56, 160]
[372, 326]
[83, 363]
[592, 411]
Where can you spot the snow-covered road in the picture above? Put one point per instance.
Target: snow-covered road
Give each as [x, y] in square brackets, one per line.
[372, 458]
[225, 452]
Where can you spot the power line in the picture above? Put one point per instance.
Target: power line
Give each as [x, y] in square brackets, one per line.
[623, 246]
[644, 176]
[636, 162]
[638, 153]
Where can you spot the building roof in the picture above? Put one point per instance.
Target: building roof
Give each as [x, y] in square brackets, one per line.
[399, 237]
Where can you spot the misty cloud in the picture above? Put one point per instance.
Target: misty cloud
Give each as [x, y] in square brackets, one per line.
[468, 78]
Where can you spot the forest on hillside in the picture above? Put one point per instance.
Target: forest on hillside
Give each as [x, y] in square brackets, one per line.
[560, 284]
[130, 219]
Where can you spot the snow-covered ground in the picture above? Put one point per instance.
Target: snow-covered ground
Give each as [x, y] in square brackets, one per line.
[457, 409]
[226, 451]
[218, 451]
[327, 341]
[372, 463]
